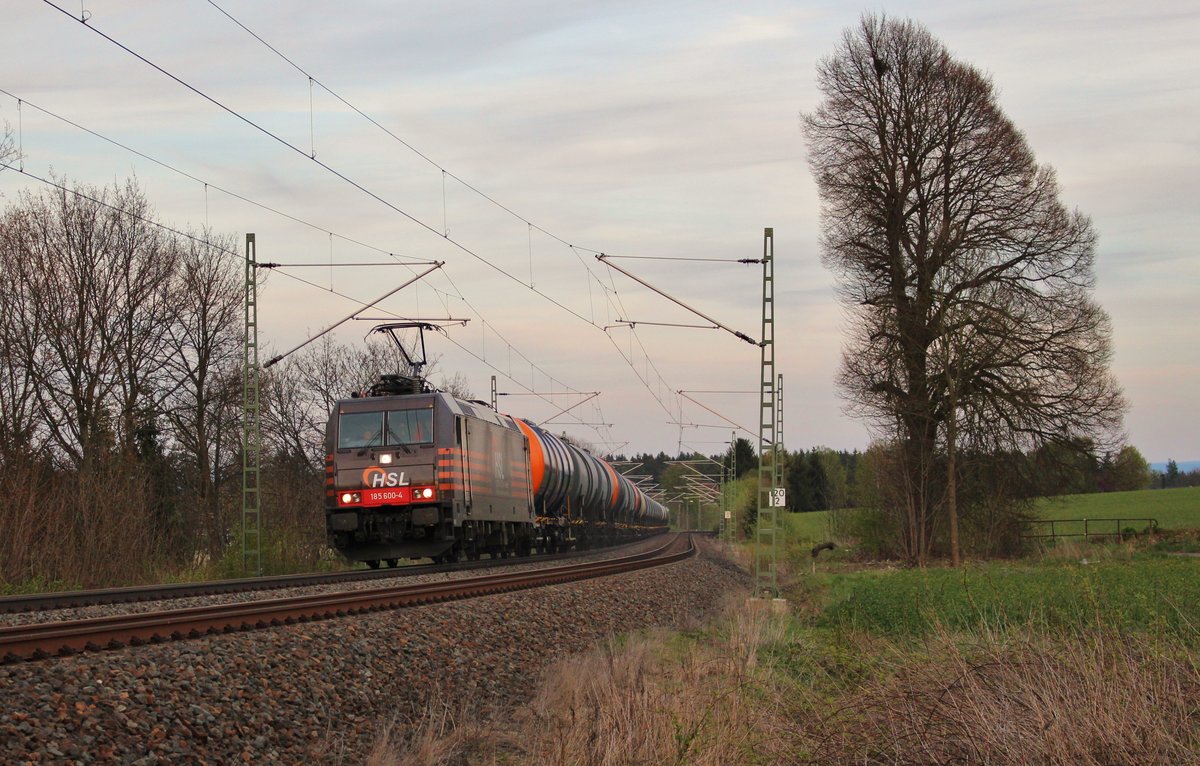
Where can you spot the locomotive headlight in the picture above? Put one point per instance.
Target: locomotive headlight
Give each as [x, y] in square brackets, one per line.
[385, 458]
[427, 493]
[347, 497]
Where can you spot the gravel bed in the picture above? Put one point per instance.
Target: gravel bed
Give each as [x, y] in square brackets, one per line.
[139, 607]
[319, 692]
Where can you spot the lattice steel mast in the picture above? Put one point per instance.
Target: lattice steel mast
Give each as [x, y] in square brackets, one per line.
[251, 423]
[730, 505]
[769, 468]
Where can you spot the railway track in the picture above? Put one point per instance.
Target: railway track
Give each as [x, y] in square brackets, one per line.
[44, 640]
[70, 599]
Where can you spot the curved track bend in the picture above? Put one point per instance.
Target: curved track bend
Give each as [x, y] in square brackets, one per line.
[43, 640]
[39, 602]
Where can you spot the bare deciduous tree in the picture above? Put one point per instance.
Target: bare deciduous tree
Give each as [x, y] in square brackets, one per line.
[140, 312]
[8, 147]
[203, 356]
[95, 276]
[82, 330]
[302, 390]
[969, 283]
[19, 432]
[120, 394]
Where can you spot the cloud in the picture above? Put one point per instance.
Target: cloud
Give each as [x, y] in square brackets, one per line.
[648, 128]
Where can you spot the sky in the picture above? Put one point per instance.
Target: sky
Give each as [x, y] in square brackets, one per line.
[513, 141]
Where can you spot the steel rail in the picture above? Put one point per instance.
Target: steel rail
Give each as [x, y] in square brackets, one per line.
[38, 602]
[43, 640]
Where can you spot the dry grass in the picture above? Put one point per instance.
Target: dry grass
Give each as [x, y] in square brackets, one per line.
[439, 738]
[648, 700]
[1079, 550]
[1094, 701]
[642, 704]
[759, 689]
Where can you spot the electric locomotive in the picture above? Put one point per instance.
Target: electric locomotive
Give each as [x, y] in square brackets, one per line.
[415, 473]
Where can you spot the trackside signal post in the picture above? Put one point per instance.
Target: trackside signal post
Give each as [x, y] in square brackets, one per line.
[251, 423]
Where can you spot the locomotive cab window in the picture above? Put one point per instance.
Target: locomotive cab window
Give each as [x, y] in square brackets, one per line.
[409, 427]
[360, 429]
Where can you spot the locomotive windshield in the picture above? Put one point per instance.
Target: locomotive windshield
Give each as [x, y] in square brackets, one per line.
[410, 426]
[367, 429]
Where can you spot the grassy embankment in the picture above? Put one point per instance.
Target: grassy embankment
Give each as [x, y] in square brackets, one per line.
[1083, 654]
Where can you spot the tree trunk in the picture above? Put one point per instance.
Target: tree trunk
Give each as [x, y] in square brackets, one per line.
[952, 483]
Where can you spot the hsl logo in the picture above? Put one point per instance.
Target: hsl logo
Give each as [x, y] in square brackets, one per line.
[377, 477]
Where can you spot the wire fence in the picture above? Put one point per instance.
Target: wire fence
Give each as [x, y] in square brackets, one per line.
[1112, 528]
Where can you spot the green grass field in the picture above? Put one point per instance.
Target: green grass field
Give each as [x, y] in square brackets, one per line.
[1079, 630]
[1144, 592]
[806, 527]
[1172, 508]
[1128, 592]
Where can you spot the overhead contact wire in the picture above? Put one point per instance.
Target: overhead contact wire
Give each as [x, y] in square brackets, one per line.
[443, 295]
[207, 184]
[170, 229]
[574, 248]
[346, 179]
[389, 133]
[510, 347]
[320, 163]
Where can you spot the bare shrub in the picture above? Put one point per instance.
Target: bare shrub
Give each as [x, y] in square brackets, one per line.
[24, 525]
[84, 528]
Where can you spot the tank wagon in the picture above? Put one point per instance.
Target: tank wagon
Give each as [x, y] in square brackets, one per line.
[415, 473]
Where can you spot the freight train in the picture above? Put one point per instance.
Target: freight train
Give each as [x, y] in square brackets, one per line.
[415, 473]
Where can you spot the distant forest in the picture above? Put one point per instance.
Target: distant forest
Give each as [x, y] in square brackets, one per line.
[821, 479]
[121, 414]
